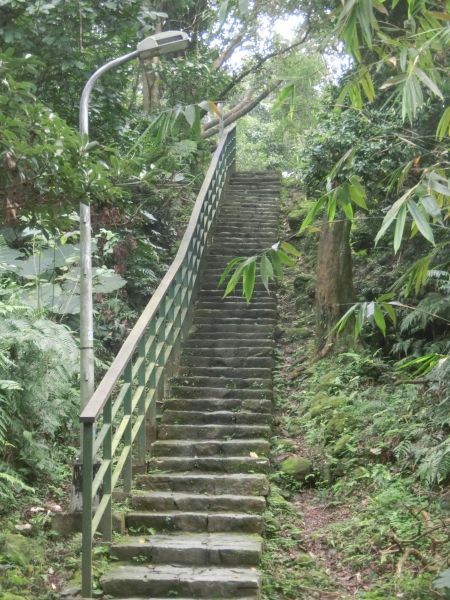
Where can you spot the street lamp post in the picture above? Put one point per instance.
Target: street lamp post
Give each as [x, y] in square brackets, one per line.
[155, 45]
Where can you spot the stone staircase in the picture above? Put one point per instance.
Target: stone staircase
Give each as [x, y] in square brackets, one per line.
[198, 512]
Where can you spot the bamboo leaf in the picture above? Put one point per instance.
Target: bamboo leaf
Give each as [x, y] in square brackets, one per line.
[228, 268]
[357, 192]
[190, 114]
[223, 12]
[422, 224]
[265, 271]
[243, 7]
[443, 128]
[379, 319]
[429, 83]
[390, 312]
[312, 213]
[289, 248]
[248, 280]
[399, 228]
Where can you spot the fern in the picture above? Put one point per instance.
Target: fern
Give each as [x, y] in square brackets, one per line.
[38, 365]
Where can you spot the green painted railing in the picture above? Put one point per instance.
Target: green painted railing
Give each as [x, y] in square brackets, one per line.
[119, 421]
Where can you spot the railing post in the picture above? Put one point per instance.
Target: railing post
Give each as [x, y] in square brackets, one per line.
[151, 415]
[127, 438]
[88, 465]
[106, 523]
[142, 434]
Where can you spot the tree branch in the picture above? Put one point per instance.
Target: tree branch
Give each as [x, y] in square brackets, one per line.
[227, 53]
[263, 60]
[240, 110]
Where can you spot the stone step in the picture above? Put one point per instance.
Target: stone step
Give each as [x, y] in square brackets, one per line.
[215, 294]
[230, 383]
[207, 464]
[225, 371]
[208, 521]
[216, 417]
[212, 404]
[216, 360]
[199, 448]
[247, 319]
[247, 331]
[196, 549]
[251, 345]
[228, 352]
[217, 484]
[186, 391]
[255, 597]
[171, 581]
[191, 502]
[212, 432]
[238, 305]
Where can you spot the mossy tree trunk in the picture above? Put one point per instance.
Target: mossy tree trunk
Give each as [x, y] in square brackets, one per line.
[334, 288]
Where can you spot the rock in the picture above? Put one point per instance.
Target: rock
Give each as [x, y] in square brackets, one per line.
[297, 333]
[21, 550]
[340, 447]
[303, 559]
[24, 528]
[337, 425]
[323, 404]
[299, 467]
[301, 280]
[295, 217]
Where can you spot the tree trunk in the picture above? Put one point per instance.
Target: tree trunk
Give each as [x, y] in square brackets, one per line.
[334, 288]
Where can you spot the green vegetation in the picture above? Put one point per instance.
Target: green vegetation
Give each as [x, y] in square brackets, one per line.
[363, 381]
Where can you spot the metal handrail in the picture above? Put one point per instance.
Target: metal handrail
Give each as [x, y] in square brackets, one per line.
[121, 415]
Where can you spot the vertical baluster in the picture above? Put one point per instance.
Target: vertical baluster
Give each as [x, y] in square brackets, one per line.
[151, 355]
[169, 314]
[127, 437]
[107, 481]
[141, 438]
[86, 560]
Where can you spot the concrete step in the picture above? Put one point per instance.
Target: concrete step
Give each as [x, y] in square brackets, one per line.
[171, 581]
[212, 404]
[191, 502]
[216, 417]
[207, 464]
[212, 432]
[191, 522]
[186, 391]
[225, 371]
[213, 292]
[210, 448]
[251, 345]
[216, 360]
[244, 311]
[247, 319]
[196, 549]
[229, 383]
[247, 331]
[217, 484]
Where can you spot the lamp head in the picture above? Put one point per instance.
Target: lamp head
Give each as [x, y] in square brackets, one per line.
[162, 43]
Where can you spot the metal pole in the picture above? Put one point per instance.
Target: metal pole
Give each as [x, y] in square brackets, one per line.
[86, 304]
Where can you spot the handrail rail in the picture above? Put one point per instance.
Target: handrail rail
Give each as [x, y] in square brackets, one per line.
[141, 367]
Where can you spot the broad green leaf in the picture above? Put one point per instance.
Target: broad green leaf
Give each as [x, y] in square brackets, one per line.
[422, 224]
[430, 84]
[357, 192]
[284, 94]
[379, 319]
[223, 12]
[248, 280]
[392, 213]
[227, 270]
[190, 113]
[276, 263]
[237, 275]
[313, 212]
[243, 7]
[285, 259]
[399, 228]
[289, 248]
[443, 128]
[348, 210]
[265, 271]
[331, 209]
[390, 312]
